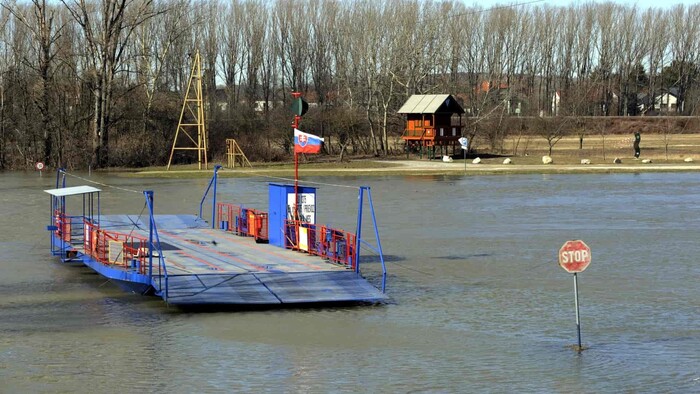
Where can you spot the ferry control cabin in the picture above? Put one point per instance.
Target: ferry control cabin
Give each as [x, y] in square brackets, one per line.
[429, 122]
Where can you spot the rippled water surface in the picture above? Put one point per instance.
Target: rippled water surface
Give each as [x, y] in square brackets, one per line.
[478, 301]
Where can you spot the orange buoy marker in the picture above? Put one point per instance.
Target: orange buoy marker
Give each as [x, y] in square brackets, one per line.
[574, 257]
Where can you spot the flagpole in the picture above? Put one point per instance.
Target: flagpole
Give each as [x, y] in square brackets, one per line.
[295, 125]
[296, 184]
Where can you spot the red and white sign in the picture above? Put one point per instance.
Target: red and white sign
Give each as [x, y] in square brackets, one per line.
[39, 166]
[574, 256]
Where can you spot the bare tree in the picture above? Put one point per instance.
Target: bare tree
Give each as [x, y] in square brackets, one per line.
[4, 67]
[107, 28]
[76, 71]
[153, 41]
[655, 33]
[39, 20]
[684, 47]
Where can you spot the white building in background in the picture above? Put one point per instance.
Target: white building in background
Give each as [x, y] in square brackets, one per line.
[556, 102]
[667, 101]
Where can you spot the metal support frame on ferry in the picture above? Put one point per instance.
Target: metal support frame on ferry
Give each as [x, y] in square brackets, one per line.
[58, 209]
[153, 233]
[213, 181]
[57, 202]
[359, 240]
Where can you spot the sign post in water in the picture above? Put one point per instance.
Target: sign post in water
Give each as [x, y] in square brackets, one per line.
[574, 257]
[39, 167]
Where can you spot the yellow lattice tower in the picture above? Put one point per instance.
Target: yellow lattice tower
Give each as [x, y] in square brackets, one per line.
[192, 117]
[235, 154]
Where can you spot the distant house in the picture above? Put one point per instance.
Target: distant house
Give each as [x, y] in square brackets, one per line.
[587, 101]
[260, 105]
[493, 93]
[221, 99]
[665, 101]
[556, 103]
[429, 120]
[489, 86]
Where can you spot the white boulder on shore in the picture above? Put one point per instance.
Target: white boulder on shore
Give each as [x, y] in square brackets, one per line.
[688, 160]
[617, 160]
[447, 159]
[585, 161]
[507, 160]
[546, 160]
[476, 161]
[646, 161]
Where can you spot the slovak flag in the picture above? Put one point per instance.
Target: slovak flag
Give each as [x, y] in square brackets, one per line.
[306, 143]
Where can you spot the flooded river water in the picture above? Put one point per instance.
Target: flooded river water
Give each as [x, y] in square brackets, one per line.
[478, 302]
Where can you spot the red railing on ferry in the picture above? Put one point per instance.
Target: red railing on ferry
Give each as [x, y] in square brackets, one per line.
[242, 221]
[333, 244]
[63, 225]
[115, 248]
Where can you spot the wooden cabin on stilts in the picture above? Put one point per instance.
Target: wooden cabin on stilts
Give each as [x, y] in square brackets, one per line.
[429, 124]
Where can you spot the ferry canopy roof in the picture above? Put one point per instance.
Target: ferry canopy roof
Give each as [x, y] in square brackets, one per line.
[431, 104]
[72, 191]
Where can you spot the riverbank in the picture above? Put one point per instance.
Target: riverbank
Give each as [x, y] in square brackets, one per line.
[659, 153]
[418, 167]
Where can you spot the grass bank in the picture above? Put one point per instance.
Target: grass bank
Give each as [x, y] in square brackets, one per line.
[666, 152]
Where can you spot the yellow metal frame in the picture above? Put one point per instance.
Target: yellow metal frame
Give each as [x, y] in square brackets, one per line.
[235, 154]
[193, 106]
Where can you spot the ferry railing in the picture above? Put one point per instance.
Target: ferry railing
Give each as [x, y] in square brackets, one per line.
[115, 248]
[67, 232]
[242, 221]
[226, 216]
[335, 245]
[66, 228]
[360, 241]
[89, 238]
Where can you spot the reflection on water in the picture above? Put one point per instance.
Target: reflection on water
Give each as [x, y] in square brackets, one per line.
[478, 301]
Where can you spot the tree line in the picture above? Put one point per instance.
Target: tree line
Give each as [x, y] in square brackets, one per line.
[101, 83]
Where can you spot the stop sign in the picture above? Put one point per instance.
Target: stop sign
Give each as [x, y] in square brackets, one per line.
[574, 256]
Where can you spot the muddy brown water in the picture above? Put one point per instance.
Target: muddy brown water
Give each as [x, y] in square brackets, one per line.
[478, 302]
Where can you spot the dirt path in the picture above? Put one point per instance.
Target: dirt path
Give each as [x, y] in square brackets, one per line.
[457, 167]
[433, 167]
[667, 153]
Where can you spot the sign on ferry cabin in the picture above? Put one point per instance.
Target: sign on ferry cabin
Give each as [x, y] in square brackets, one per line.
[306, 205]
[574, 256]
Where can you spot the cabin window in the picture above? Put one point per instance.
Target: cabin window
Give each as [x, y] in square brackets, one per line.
[419, 123]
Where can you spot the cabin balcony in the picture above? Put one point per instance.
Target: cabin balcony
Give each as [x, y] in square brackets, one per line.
[441, 133]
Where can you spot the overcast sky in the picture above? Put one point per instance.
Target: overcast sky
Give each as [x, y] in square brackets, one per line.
[640, 3]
